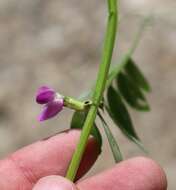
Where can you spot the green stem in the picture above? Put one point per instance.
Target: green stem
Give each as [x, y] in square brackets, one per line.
[99, 88]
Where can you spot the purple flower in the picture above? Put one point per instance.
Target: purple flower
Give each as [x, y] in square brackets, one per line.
[53, 101]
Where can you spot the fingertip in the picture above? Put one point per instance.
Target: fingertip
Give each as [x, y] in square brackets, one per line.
[139, 173]
[144, 173]
[54, 183]
[153, 171]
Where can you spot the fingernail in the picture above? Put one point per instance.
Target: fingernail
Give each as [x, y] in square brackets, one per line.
[54, 183]
[63, 131]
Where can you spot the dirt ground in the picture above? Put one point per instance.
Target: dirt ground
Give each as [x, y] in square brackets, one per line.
[58, 43]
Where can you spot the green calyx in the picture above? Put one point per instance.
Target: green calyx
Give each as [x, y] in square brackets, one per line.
[76, 104]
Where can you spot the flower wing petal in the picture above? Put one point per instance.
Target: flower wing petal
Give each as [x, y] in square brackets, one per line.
[51, 109]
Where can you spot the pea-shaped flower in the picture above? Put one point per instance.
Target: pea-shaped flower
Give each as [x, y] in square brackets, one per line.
[53, 102]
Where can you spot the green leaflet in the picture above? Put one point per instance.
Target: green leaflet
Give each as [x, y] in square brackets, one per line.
[115, 70]
[132, 93]
[77, 122]
[112, 142]
[137, 76]
[119, 114]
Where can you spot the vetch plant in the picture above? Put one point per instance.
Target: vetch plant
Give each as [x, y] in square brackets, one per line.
[115, 88]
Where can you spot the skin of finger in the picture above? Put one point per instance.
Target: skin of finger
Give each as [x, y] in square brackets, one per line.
[43, 158]
[134, 174]
[54, 183]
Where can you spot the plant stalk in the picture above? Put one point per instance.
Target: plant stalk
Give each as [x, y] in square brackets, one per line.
[99, 88]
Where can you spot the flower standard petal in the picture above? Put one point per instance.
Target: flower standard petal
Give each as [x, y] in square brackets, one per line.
[51, 109]
[45, 95]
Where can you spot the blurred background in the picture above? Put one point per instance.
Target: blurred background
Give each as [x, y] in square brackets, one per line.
[58, 43]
